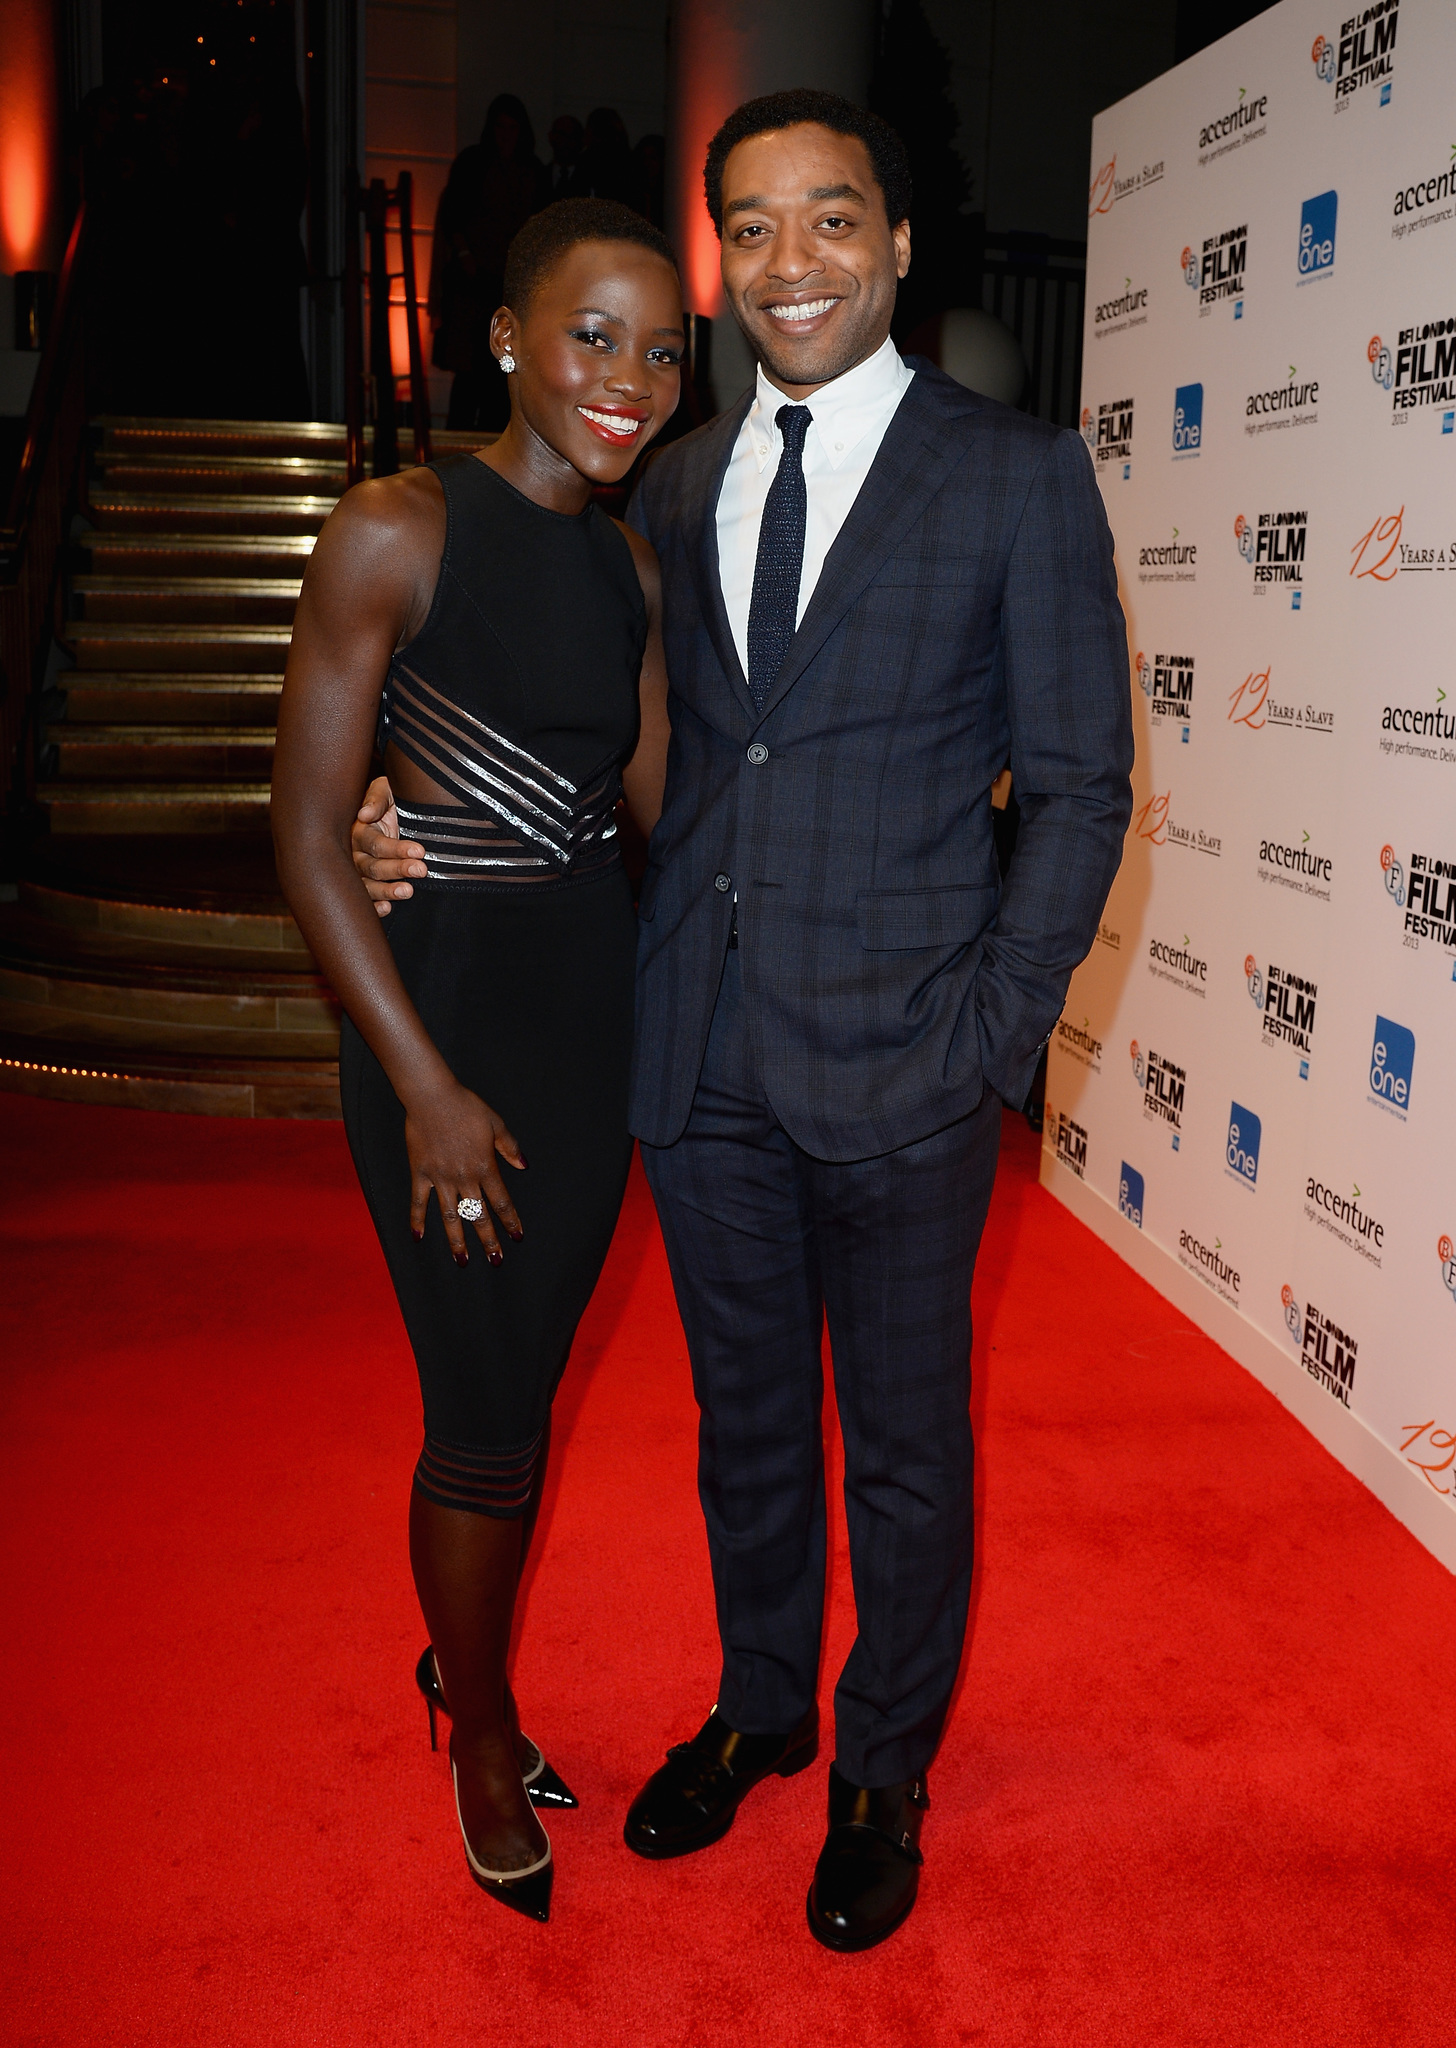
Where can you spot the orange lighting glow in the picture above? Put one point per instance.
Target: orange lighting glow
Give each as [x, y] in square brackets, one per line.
[28, 130]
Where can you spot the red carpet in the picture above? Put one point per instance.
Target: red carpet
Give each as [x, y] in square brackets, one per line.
[1198, 1785]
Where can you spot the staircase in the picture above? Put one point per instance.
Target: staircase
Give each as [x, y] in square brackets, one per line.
[148, 957]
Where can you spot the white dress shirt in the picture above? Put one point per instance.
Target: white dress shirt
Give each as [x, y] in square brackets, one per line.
[850, 416]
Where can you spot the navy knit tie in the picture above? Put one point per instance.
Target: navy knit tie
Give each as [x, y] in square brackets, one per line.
[774, 610]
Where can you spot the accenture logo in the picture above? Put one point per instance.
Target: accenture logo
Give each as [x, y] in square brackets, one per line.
[1178, 965]
[1244, 122]
[1078, 1040]
[1343, 1218]
[1407, 210]
[1299, 868]
[1209, 1263]
[1123, 310]
[1169, 561]
[1282, 404]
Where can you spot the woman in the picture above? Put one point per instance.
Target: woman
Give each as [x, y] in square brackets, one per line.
[501, 635]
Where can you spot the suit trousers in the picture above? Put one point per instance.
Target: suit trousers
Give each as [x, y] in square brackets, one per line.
[764, 1241]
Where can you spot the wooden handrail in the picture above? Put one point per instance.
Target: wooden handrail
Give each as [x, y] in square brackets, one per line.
[35, 521]
[373, 207]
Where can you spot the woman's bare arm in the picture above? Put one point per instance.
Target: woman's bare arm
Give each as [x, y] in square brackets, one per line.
[367, 589]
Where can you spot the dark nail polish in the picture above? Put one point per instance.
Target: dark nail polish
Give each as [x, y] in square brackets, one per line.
[496, 1257]
[521, 1162]
[417, 1235]
[461, 1258]
[514, 1235]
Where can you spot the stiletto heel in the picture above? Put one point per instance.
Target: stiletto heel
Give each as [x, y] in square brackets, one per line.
[526, 1891]
[543, 1786]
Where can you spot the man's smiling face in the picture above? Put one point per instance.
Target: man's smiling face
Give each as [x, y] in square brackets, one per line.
[810, 261]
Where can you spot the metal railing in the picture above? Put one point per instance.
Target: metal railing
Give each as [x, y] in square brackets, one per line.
[1037, 285]
[371, 208]
[33, 533]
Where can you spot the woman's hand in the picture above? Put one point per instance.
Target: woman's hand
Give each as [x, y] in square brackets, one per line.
[452, 1138]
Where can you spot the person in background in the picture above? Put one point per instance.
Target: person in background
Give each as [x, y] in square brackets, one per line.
[605, 170]
[649, 170]
[567, 138]
[493, 189]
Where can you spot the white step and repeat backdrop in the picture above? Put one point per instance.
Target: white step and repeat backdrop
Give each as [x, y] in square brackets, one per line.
[1250, 1093]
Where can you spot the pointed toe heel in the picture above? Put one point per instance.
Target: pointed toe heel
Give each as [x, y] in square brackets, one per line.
[543, 1787]
[525, 1891]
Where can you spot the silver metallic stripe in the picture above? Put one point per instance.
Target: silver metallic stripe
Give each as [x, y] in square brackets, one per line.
[499, 738]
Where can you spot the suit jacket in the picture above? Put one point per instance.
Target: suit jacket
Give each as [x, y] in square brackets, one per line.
[966, 615]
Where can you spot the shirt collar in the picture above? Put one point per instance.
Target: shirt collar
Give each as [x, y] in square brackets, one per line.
[843, 411]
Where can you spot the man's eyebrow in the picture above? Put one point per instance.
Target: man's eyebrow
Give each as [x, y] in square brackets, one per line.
[754, 203]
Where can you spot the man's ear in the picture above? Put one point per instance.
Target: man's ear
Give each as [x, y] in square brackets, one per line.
[900, 235]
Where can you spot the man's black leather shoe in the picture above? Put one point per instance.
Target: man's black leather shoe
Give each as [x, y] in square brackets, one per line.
[869, 1868]
[692, 1800]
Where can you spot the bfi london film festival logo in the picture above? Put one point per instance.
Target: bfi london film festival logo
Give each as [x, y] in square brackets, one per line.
[1215, 270]
[1163, 1085]
[1108, 190]
[1392, 1066]
[1080, 1043]
[1241, 1146]
[1125, 309]
[1174, 560]
[1069, 1142]
[1184, 968]
[1326, 1350]
[1419, 371]
[1300, 868]
[1424, 891]
[1167, 683]
[1408, 208]
[1286, 1005]
[1317, 218]
[1130, 1194]
[1445, 1252]
[1343, 1218]
[1362, 56]
[1274, 549]
[1254, 705]
[1246, 121]
[1187, 422]
[1290, 404]
[1109, 436]
[1210, 1266]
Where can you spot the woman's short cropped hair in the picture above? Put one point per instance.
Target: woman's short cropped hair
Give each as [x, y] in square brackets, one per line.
[546, 236]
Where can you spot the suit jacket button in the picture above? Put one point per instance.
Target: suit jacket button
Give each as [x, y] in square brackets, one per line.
[757, 753]
[722, 883]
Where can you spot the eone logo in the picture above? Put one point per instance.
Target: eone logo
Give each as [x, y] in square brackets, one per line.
[1246, 538]
[1380, 544]
[1392, 1062]
[1382, 367]
[1323, 55]
[1446, 1253]
[1130, 1194]
[1248, 704]
[1242, 1152]
[1394, 874]
[1254, 979]
[1188, 419]
[1317, 234]
[1292, 1320]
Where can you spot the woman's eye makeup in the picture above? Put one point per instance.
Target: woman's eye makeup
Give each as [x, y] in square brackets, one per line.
[593, 337]
[670, 357]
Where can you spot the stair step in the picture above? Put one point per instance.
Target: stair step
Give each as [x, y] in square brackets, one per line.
[104, 925]
[220, 475]
[233, 650]
[229, 874]
[94, 698]
[39, 928]
[194, 600]
[196, 554]
[154, 807]
[266, 437]
[152, 1005]
[199, 512]
[197, 1084]
[163, 753]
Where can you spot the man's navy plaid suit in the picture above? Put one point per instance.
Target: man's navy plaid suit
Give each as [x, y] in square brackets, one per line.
[819, 1106]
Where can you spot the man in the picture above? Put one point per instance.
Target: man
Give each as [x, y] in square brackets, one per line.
[878, 587]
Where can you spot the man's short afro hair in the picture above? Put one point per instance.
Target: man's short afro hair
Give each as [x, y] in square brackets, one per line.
[842, 117]
[547, 236]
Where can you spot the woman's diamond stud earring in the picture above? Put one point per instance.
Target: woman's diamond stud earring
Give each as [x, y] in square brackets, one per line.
[507, 362]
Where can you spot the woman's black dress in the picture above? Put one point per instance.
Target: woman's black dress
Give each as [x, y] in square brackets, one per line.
[520, 695]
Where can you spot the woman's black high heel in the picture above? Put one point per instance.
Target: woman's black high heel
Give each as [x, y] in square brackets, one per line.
[526, 1891]
[543, 1787]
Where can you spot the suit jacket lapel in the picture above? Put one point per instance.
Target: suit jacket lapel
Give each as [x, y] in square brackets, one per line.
[915, 457]
[715, 452]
